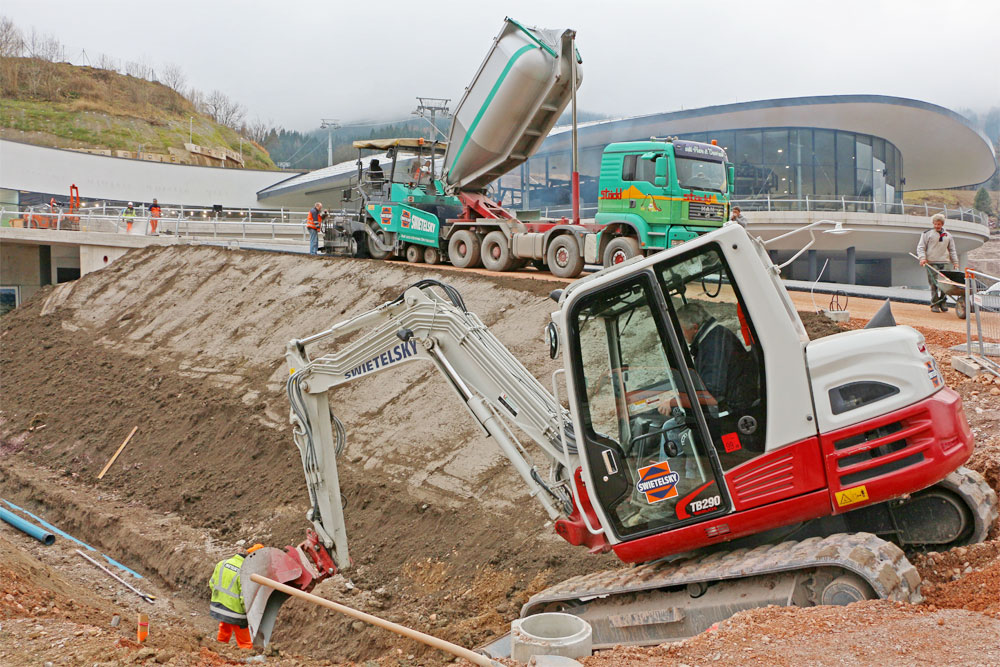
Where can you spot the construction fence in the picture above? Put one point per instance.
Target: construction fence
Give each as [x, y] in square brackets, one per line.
[982, 298]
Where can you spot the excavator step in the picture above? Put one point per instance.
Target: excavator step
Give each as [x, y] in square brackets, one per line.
[668, 601]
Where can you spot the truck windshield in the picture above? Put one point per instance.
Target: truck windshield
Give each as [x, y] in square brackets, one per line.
[701, 175]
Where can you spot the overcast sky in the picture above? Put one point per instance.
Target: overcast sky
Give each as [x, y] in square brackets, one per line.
[296, 61]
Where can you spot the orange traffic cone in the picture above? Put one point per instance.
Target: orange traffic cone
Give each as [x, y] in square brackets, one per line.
[143, 627]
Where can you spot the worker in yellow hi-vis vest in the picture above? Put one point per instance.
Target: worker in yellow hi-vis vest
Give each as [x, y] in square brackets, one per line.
[227, 600]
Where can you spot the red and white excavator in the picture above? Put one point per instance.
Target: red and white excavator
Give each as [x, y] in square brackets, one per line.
[706, 438]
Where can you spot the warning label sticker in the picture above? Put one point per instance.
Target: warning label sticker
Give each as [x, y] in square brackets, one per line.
[858, 494]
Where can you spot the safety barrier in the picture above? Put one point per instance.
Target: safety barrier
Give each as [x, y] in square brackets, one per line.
[982, 324]
[186, 223]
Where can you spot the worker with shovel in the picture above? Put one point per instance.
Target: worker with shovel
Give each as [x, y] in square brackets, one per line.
[934, 250]
[227, 600]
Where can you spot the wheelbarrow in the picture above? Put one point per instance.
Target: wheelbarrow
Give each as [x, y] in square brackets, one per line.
[951, 284]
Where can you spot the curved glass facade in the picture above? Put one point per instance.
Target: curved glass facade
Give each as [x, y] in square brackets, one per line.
[777, 163]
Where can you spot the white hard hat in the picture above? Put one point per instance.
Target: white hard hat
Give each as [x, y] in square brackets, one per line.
[130, 203]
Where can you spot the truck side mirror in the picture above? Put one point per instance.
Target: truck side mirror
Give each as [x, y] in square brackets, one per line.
[660, 173]
[731, 173]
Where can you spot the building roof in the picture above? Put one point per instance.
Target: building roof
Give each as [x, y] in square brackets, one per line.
[940, 148]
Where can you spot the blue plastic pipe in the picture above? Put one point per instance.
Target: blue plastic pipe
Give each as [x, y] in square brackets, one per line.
[39, 534]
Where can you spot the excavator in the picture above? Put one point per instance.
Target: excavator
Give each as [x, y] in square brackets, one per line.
[693, 429]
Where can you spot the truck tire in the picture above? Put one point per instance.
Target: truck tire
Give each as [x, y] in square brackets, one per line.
[374, 250]
[496, 252]
[564, 258]
[432, 255]
[463, 249]
[414, 254]
[620, 249]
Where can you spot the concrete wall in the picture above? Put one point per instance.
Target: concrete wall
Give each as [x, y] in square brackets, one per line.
[20, 267]
[52, 170]
[94, 257]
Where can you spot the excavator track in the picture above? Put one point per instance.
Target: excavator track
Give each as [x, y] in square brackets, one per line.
[979, 498]
[667, 601]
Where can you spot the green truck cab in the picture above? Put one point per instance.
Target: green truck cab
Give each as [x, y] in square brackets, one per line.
[656, 194]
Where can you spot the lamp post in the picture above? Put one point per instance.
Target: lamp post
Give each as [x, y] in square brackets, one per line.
[329, 125]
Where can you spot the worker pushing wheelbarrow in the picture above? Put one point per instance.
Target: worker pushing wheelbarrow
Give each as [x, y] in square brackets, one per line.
[935, 250]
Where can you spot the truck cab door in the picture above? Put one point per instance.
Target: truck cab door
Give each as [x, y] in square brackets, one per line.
[649, 464]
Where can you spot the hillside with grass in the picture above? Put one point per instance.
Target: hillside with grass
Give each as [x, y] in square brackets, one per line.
[67, 106]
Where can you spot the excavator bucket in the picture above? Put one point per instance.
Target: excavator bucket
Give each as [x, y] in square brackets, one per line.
[262, 602]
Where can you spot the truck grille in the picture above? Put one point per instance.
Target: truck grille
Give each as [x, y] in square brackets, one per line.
[697, 211]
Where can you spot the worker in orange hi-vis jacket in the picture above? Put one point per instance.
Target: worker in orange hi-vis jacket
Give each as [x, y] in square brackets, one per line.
[312, 223]
[129, 216]
[154, 216]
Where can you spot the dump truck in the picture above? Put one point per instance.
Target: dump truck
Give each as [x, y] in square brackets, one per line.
[429, 202]
[706, 440]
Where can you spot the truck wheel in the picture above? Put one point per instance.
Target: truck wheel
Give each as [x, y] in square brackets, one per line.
[496, 252]
[414, 254]
[620, 249]
[564, 258]
[374, 250]
[463, 249]
[432, 256]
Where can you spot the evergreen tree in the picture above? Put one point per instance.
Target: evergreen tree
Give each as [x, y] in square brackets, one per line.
[982, 202]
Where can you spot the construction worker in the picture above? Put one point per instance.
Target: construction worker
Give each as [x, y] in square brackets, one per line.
[227, 600]
[154, 216]
[312, 222]
[936, 248]
[129, 215]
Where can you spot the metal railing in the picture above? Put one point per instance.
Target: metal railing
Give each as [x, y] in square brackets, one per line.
[845, 205]
[181, 222]
[822, 204]
[982, 299]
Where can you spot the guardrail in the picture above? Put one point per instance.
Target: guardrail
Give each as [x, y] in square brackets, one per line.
[179, 225]
[845, 205]
[982, 299]
[807, 204]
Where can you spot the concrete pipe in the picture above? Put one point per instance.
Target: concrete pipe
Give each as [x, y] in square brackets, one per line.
[551, 634]
[29, 528]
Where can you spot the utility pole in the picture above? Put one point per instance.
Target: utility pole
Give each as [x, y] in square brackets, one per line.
[432, 105]
[329, 125]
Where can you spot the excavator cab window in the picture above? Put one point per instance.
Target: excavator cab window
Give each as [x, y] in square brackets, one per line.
[723, 350]
[646, 452]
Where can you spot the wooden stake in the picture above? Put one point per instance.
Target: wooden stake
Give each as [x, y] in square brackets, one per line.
[440, 644]
[108, 464]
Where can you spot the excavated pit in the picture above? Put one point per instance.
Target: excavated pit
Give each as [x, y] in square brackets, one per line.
[187, 343]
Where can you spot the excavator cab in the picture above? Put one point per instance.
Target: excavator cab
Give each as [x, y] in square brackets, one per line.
[670, 389]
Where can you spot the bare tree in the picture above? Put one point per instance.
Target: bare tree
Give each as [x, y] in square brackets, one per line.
[257, 130]
[172, 76]
[11, 39]
[104, 61]
[224, 110]
[43, 47]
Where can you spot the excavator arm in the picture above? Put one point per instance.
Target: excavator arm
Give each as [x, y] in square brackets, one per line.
[428, 322]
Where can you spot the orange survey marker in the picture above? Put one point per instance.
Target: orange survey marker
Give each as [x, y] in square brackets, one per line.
[108, 464]
[143, 628]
